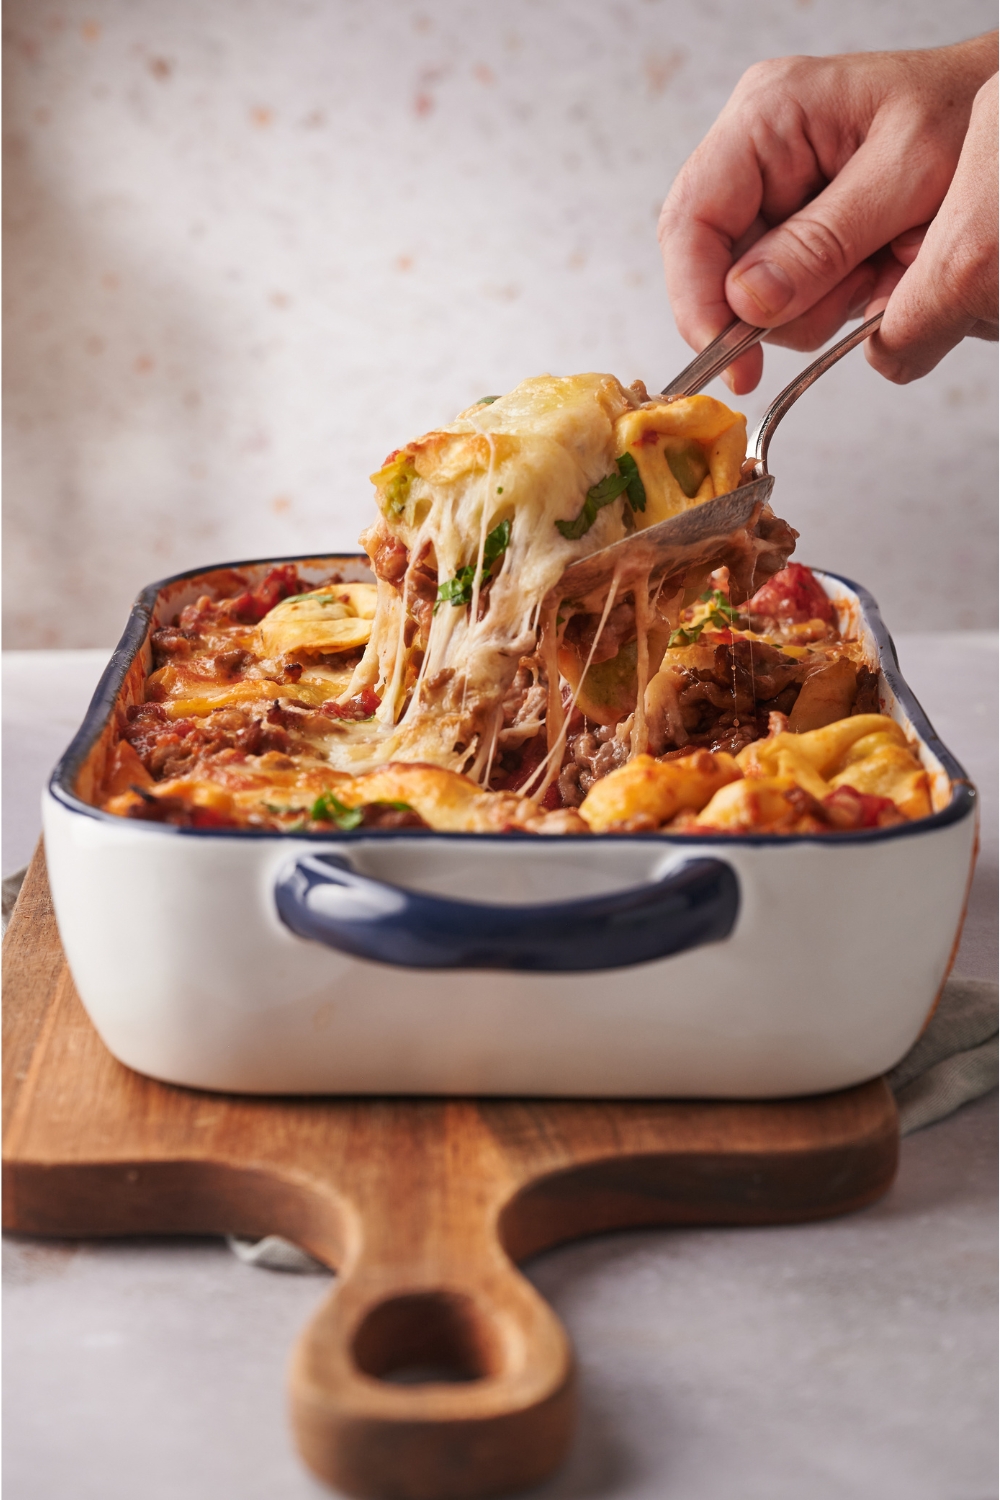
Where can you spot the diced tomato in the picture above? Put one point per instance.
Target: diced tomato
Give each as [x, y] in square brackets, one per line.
[533, 752]
[363, 705]
[281, 583]
[207, 817]
[793, 594]
[846, 808]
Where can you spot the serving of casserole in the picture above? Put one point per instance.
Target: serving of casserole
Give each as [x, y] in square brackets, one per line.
[432, 821]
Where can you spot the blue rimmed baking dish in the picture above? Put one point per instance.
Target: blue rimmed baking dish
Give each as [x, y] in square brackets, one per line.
[410, 962]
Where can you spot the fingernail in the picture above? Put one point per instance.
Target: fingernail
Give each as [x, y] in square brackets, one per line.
[769, 285]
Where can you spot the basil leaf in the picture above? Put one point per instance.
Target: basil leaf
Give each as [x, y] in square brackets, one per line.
[598, 496]
[496, 545]
[609, 489]
[329, 809]
[458, 590]
[635, 489]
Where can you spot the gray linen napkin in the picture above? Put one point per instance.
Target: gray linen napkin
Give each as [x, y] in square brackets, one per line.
[10, 889]
[953, 1062]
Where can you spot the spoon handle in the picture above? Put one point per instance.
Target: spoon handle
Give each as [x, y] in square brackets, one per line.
[721, 352]
[756, 465]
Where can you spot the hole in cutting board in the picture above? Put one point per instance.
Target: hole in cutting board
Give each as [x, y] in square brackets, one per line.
[424, 1338]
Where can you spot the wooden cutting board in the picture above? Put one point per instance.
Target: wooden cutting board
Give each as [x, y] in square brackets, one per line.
[434, 1370]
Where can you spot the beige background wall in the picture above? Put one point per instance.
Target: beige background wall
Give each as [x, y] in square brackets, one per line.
[251, 246]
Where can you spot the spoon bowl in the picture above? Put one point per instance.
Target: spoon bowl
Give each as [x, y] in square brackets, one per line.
[703, 532]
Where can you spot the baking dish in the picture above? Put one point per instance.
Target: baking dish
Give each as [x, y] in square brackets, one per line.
[403, 961]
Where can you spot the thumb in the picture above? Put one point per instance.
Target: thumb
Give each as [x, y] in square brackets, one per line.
[868, 204]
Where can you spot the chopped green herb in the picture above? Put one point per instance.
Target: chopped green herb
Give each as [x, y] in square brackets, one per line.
[609, 489]
[687, 636]
[625, 480]
[598, 497]
[487, 400]
[722, 616]
[499, 489]
[720, 605]
[397, 489]
[635, 489]
[458, 590]
[496, 545]
[329, 809]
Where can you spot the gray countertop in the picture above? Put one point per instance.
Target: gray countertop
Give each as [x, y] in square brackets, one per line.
[853, 1358]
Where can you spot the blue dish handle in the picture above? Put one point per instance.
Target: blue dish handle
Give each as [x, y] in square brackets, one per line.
[320, 896]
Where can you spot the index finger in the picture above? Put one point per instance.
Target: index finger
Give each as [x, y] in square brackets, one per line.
[712, 206]
[697, 256]
[712, 216]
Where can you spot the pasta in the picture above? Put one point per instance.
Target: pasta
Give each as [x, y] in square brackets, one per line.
[461, 690]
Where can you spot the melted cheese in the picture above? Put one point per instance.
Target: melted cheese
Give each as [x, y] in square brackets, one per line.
[469, 548]
[528, 458]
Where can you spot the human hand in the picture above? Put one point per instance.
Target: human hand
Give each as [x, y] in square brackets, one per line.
[783, 213]
[941, 284]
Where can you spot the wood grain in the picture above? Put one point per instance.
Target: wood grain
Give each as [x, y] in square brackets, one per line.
[434, 1370]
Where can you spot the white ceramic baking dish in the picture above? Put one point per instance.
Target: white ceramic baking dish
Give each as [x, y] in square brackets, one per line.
[407, 962]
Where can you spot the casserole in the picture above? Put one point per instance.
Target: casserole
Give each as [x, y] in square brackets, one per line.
[408, 961]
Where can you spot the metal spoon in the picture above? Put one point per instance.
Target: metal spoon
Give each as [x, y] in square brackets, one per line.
[730, 344]
[699, 534]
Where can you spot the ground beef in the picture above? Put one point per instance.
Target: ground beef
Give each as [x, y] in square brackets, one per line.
[169, 748]
[591, 754]
[526, 698]
[384, 815]
[866, 701]
[171, 643]
[618, 628]
[230, 664]
[729, 702]
[390, 559]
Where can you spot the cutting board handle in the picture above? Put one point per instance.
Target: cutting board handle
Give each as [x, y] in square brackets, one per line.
[450, 1384]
